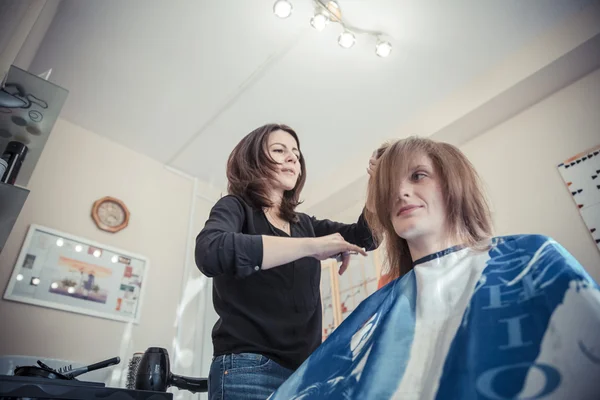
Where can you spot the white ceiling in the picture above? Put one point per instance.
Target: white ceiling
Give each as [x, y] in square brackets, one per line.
[184, 81]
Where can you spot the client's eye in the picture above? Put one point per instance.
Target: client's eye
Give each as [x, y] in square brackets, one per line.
[278, 150]
[417, 176]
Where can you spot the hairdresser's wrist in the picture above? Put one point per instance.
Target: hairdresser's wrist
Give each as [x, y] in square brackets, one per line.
[310, 247]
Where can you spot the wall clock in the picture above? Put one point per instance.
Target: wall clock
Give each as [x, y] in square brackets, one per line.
[110, 214]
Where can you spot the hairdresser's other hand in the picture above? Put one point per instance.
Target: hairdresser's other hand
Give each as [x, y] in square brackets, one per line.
[372, 163]
[371, 170]
[329, 246]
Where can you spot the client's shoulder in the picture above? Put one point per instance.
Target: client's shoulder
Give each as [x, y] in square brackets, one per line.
[529, 246]
[524, 241]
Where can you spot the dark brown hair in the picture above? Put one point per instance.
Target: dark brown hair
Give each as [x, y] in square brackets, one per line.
[250, 171]
[467, 208]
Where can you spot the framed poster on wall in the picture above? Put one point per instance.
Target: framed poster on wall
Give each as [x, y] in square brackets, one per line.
[329, 300]
[70, 273]
[341, 294]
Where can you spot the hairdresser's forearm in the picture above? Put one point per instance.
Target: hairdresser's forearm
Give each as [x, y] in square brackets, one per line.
[281, 250]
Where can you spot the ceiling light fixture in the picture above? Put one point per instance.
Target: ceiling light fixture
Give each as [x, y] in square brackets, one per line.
[319, 21]
[330, 11]
[346, 39]
[282, 8]
[383, 49]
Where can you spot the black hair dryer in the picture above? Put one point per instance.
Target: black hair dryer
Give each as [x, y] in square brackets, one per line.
[154, 374]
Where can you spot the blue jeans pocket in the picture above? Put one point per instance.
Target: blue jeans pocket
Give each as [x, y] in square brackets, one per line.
[244, 376]
[245, 362]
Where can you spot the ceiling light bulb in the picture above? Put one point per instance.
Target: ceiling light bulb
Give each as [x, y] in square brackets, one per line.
[54, 285]
[97, 253]
[383, 49]
[78, 248]
[60, 242]
[35, 281]
[319, 21]
[114, 259]
[346, 39]
[282, 8]
[20, 277]
[71, 290]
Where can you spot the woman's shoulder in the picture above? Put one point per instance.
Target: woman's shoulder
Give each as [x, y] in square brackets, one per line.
[233, 205]
[303, 216]
[305, 220]
[232, 201]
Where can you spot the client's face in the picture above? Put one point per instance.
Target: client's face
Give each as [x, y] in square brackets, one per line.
[283, 149]
[419, 209]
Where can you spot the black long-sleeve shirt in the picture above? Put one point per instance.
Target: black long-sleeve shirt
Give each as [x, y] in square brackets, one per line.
[275, 312]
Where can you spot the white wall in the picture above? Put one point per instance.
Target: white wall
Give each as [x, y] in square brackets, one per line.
[206, 311]
[518, 162]
[17, 21]
[76, 168]
[198, 316]
[37, 33]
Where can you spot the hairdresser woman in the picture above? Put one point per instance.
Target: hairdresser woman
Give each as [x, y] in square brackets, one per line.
[264, 258]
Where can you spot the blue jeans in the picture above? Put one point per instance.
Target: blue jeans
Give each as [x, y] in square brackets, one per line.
[244, 376]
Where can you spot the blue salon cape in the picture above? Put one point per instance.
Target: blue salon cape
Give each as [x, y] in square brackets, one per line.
[518, 321]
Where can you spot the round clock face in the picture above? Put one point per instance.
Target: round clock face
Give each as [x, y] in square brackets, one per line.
[111, 214]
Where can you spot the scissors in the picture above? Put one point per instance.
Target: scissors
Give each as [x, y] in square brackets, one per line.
[338, 257]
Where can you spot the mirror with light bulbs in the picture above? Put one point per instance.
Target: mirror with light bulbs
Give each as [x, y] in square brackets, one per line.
[66, 272]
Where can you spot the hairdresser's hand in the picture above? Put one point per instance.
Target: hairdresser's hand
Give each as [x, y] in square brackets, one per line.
[371, 170]
[330, 246]
[372, 163]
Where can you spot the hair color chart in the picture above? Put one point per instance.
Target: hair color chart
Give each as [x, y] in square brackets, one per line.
[581, 174]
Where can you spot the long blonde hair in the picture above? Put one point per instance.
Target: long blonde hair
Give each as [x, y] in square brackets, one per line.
[467, 208]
